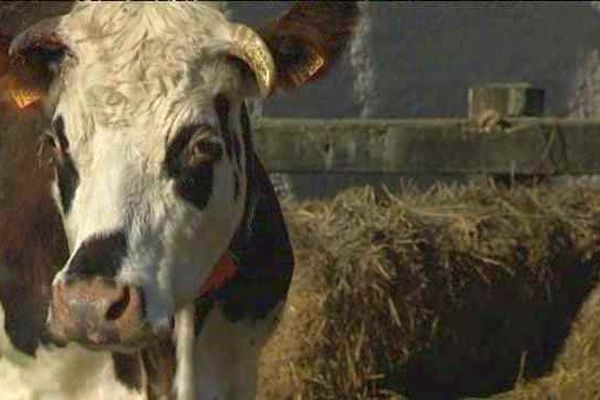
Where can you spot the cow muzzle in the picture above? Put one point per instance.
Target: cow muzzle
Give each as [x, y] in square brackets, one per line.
[97, 313]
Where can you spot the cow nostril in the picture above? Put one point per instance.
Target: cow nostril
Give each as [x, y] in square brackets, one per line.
[117, 309]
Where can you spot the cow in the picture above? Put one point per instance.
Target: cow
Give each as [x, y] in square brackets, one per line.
[175, 259]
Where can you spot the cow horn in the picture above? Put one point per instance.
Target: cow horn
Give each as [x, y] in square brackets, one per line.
[32, 54]
[250, 48]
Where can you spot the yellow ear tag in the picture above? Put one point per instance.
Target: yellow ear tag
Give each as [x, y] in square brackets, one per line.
[305, 72]
[25, 85]
[22, 95]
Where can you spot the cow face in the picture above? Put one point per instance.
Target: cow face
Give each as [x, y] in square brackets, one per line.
[146, 129]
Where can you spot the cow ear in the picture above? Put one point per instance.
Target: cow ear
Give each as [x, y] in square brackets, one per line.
[309, 38]
[33, 59]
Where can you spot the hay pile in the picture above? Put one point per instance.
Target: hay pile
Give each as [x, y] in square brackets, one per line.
[456, 292]
[577, 371]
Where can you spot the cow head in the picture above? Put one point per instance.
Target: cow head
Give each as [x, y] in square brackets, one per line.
[147, 129]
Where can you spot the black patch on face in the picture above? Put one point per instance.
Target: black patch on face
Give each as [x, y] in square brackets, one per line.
[236, 186]
[67, 180]
[195, 186]
[66, 174]
[246, 135]
[99, 256]
[237, 150]
[193, 183]
[58, 127]
[251, 178]
[222, 107]
[250, 161]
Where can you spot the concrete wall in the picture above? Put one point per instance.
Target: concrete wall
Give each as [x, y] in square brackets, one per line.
[318, 158]
[417, 59]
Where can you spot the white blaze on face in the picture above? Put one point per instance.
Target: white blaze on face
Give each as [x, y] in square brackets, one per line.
[139, 106]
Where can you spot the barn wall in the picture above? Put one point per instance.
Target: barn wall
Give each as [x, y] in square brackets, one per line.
[417, 59]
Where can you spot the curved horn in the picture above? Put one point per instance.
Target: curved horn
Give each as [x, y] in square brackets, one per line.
[32, 56]
[250, 48]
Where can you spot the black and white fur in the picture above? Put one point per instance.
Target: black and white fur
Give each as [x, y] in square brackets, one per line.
[145, 91]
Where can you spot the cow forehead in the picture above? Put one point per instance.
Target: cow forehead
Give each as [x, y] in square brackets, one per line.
[144, 68]
[123, 34]
[88, 20]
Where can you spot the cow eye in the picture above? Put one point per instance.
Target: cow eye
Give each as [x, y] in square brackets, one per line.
[193, 147]
[203, 148]
[50, 140]
[189, 162]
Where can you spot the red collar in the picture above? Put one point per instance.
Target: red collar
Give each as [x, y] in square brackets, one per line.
[222, 273]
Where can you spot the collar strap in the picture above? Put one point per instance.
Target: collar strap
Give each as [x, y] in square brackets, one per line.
[221, 274]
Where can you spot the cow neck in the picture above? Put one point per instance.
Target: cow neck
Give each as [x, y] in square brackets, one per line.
[228, 265]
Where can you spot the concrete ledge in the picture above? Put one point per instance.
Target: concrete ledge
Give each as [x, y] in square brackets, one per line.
[530, 146]
[506, 99]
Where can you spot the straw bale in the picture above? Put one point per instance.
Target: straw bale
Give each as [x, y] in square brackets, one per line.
[458, 291]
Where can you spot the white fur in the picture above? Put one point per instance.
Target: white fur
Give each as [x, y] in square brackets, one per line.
[226, 355]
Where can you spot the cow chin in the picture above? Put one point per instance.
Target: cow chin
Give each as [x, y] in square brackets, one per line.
[107, 339]
[102, 341]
